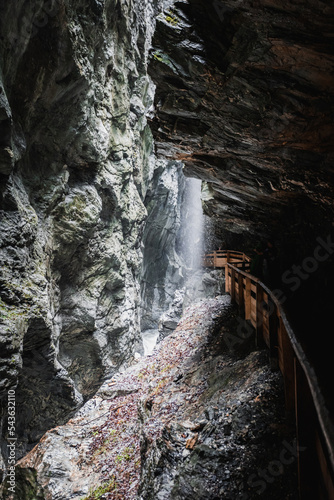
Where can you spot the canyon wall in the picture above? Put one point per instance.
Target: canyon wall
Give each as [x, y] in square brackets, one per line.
[76, 160]
[163, 265]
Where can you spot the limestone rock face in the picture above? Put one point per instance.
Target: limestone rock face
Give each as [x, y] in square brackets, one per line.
[163, 265]
[75, 163]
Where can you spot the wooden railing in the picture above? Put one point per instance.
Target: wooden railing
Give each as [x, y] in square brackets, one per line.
[219, 258]
[303, 396]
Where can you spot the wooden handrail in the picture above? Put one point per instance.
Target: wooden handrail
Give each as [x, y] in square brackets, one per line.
[303, 396]
[219, 258]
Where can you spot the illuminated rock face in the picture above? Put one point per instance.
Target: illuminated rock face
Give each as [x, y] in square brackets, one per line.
[75, 163]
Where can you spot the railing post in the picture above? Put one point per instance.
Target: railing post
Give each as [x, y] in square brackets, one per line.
[287, 368]
[273, 331]
[248, 298]
[233, 284]
[227, 288]
[315, 466]
[241, 300]
[259, 315]
[306, 437]
[227, 283]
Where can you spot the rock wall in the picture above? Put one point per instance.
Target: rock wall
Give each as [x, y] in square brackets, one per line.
[197, 419]
[245, 98]
[163, 265]
[175, 236]
[75, 161]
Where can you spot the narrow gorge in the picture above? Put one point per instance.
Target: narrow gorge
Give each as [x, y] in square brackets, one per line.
[136, 136]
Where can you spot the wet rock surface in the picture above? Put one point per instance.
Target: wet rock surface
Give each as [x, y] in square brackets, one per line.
[163, 269]
[75, 163]
[244, 98]
[229, 426]
[193, 420]
[200, 284]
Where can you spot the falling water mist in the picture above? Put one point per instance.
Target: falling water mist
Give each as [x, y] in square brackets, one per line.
[192, 227]
[196, 237]
[174, 245]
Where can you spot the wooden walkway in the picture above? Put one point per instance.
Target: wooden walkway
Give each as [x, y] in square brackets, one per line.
[303, 396]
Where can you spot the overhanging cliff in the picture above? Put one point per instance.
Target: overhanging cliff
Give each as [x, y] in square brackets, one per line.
[245, 99]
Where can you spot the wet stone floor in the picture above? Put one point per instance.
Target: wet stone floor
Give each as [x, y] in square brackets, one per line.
[202, 417]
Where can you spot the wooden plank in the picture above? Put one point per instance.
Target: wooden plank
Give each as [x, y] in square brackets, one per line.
[220, 262]
[232, 290]
[259, 316]
[308, 481]
[227, 279]
[253, 311]
[280, 364]
[266, 325]
[288, 371]
[247, 298]
[273, 329]
[253, 306]
[241, 300]
[327, 481]
[236, 290]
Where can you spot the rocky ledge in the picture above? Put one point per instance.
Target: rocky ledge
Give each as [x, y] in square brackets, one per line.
[193, 419]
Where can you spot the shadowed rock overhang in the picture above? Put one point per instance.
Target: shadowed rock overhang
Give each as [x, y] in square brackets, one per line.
[245, 99]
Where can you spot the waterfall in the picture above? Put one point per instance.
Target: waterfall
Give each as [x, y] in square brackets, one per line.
[173, 249]
[196, 237]
[192, 226]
